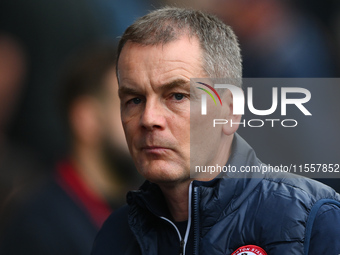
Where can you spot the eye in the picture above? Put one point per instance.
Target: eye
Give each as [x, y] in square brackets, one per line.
[135, 100]
[178, 96]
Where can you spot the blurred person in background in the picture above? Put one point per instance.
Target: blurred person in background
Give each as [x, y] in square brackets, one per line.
[277, 39]
[19, 168]
[65, 214]
[51, 31]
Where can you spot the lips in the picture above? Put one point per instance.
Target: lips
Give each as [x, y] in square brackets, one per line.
[155, 149]
[155, 144]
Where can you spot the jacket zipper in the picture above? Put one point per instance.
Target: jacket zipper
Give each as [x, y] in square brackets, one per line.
[183, 242]
[196, 221]
[181, 247]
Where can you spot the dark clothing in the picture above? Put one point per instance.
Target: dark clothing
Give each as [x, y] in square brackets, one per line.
[57, 219]
[282, 214]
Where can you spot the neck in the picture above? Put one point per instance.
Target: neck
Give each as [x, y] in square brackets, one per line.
[177, 197]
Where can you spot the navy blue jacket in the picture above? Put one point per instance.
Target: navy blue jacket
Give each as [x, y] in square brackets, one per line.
[280, 213]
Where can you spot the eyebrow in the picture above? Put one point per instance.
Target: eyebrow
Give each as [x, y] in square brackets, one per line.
[127, 91]
[167, 86]
[175, 84]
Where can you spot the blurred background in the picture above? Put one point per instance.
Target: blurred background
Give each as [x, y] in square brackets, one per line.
[62, 148]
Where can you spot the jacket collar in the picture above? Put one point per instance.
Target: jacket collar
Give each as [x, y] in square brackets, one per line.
[224, 194]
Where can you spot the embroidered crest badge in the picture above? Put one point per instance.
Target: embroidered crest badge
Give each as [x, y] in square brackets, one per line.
[249, 250]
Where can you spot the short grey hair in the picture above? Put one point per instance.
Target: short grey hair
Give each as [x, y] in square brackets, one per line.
[221, 51]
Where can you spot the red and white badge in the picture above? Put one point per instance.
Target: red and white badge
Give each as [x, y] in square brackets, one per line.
[249, 250]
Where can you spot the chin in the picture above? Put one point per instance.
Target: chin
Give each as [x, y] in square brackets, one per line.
[159, 175]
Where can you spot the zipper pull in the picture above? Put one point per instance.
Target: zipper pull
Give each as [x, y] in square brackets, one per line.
[181, 247]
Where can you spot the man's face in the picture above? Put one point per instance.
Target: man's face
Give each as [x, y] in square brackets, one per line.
[154, 87]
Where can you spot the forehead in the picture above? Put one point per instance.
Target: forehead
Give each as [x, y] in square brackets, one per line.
[157, 63]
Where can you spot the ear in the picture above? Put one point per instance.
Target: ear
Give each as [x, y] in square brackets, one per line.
[233, 120]
[84, 119]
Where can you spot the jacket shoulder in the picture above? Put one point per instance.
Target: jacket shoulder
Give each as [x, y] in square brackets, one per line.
[284, 204]
[115, 236]
[311, 190]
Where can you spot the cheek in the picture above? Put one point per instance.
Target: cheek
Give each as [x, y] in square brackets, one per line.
[130, 126]
[180, 129]
[204, 137]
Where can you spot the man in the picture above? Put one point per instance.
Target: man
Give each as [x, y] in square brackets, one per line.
[64, 215]
[172, 213]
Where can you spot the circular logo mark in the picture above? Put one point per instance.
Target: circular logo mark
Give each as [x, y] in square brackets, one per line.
[249, 250]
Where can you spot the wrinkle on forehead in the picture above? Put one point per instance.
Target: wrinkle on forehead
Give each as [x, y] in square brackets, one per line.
[162, 54]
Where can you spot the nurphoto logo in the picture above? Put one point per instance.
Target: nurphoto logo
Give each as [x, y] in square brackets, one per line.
[239, 104]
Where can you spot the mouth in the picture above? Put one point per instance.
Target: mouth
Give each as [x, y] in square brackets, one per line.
[155, 149]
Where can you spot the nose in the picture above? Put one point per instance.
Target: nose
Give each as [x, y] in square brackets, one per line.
[153, 116]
